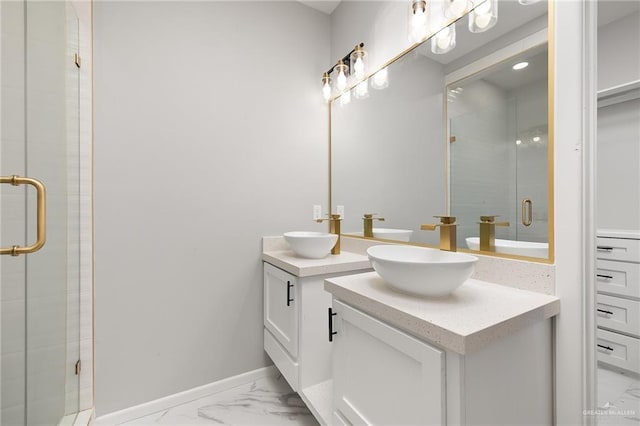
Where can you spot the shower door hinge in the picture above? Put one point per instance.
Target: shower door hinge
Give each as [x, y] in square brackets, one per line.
[78, 367]
[76, 59]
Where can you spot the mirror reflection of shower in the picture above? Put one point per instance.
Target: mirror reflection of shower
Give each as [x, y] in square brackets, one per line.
[498, 152]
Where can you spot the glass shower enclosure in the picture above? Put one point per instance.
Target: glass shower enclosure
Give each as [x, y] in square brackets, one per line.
[39, 292]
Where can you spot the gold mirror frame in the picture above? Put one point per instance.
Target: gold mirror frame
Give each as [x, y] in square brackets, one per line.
[550, 152]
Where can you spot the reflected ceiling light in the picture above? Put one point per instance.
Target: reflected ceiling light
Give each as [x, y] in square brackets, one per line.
[326, 86]
[380, 79]
[527, 2]
[484, 16]
[518, 142]
[444, 40]
[351, 67]
[418, 21]
[536, 138]
[520, 65]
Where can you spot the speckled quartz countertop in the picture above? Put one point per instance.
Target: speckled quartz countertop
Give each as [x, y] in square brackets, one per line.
[301, 267]
[474, 315]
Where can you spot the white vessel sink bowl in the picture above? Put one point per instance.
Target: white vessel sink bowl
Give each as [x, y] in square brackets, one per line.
[313, 245]
[420, 270]
[393, 234]
[522, 248]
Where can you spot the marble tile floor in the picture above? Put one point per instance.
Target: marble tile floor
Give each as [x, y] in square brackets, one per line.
[267, 401]
[618, 398]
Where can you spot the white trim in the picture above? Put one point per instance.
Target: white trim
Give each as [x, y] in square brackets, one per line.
[170, 401]
[536, 39]
[589, 203]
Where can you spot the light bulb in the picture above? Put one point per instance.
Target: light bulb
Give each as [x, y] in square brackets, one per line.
[362, 90]
[419, 22]
[326, 91]
[345, 98]
[358, 67]
[443, 38]
[341, 81]
[457, 8]
[380, 79]
[483, 20]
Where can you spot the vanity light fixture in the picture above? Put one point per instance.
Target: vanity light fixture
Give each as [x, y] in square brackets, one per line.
[484, 16]
[353, 64]
[326, 87]
[418, 21]
[520, 66]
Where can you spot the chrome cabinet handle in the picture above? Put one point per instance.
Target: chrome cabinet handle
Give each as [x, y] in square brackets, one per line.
[41, 231]
[527, 212]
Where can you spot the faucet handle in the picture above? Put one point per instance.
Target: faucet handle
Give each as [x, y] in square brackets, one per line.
[371, 216]
[492, 220]
[446, 220]
[334, 216]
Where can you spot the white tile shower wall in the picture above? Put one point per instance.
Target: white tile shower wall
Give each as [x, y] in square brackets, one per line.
[207, 138]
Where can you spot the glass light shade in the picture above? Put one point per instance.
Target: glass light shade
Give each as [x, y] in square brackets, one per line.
[444, 40]
[418, 21]
[358, 62]
[326, 87]
[345, 98]
[380, 79]
[484, 16]
[342, 71]
[456, 8]
[362, 90]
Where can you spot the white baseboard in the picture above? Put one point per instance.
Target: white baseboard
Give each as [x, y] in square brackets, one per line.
[170, 401]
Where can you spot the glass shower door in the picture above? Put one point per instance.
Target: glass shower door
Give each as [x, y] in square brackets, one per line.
[39, 292]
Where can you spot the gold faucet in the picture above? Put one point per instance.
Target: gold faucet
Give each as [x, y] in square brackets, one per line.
[334, 228]
[488, 232]
[368, 224]
[447, 232]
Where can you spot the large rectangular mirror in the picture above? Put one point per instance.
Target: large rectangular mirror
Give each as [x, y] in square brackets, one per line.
[461, 134]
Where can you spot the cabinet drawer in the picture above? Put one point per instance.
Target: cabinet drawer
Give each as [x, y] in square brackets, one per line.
[618, 314]
[618, 249]
[618, 278]
[618, 350]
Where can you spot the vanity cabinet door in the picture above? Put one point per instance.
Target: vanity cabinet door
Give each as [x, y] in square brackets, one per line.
[281, 307]
[382, 375]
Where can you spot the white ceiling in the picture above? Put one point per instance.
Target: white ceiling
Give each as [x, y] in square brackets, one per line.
[612, 10]
[326, 6]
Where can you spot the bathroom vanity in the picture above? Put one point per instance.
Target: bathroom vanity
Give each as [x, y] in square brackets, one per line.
[295, 316]
[482, 355]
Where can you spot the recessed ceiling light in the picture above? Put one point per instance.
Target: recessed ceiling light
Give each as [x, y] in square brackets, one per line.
[520, 65]
[518, 142]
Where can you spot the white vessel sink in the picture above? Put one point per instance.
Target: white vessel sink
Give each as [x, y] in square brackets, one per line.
[522, 248]
[393, 234]
[420, 270]
[314, 245]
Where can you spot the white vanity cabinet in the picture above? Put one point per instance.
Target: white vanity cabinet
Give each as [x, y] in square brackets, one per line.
[296, 309]
[482, 356]
[618, 299]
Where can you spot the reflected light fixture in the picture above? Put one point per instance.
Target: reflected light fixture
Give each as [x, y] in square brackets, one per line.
[352, 66]
[520, 66]
[345, 98]
[418, 21]
[456, 8]
[527, 2]
[362, 90]
[380, 79]
[483, 16]
[444, 40]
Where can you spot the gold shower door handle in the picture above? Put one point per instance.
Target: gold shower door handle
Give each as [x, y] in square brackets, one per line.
[527, 212]
[41, 232]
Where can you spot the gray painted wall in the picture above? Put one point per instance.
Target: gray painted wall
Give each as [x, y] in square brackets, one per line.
[210, 133]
